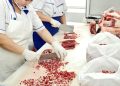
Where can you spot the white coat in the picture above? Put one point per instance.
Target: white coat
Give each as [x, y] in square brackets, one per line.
[52, 8]
[19, 31]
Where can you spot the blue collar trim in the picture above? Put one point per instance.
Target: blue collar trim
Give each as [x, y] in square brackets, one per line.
[24, 9]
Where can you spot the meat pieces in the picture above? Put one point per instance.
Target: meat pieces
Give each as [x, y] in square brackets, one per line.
[70, 35]
[69, 44]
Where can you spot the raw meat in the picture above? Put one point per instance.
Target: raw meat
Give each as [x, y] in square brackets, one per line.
[52, 75]
[93, 27]
[70, 35]
[69, 44]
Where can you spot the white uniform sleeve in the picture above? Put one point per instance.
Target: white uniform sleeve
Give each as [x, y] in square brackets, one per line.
[38, 4]
[2, 17]
[64, 8]
[37, 23]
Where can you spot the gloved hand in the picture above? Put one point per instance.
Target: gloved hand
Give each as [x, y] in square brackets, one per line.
[30, 55]
[108, 11]
[55, 23]
[114, 14]
[59, 50]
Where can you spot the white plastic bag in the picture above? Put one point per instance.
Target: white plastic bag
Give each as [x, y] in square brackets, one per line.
[103, 44]
[91, 74]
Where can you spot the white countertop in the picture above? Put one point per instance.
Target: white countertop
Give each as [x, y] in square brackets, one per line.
[75, 57]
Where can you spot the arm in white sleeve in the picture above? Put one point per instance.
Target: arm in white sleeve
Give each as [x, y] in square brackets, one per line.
[46, 36]
[63, 17]
[46, 18]
[36, 21]
[5, 41]
[40, 29]
[65, 8]
[43, 17]
[9, 45]
[2, 17]
[38, 6]
[60, 51]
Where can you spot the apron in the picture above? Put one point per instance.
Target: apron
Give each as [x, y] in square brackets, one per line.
[19, 31]
[38, 41]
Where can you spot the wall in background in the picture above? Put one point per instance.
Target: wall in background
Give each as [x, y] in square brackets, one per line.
[76, 10]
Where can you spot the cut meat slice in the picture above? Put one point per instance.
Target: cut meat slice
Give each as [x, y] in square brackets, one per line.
[70, 35]
[69, 44]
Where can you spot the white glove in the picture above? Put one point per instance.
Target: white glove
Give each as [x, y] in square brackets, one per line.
[55, 23]
[59, 50]
[108, 10]
[114, 14]
[30, 55]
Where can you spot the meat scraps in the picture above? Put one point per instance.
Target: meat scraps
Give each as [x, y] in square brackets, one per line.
[54, 76]
[93, 27]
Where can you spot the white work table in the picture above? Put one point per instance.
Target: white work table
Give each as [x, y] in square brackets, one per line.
[75, 57]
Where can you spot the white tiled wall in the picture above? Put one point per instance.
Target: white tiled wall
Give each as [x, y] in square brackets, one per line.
[76, 11]
[75, 15]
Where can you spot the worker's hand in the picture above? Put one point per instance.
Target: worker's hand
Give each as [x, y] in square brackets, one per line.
[108, 11]
[30, 55]
[59, 50]
[108, 29]
[55, 23]
[111, 30]
[114, 14]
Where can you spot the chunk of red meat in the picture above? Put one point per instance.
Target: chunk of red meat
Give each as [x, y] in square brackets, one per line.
[69, 44]
[70, 35]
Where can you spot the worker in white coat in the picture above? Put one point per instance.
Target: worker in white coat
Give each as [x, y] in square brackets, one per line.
[52, 14]
[17, 19]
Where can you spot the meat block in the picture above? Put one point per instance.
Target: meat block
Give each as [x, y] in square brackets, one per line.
[69, 44]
